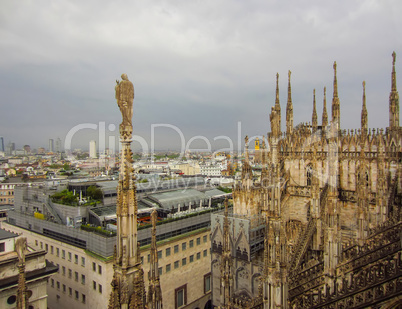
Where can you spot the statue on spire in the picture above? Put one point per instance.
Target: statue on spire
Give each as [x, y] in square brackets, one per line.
[274, 118]
[125, 96]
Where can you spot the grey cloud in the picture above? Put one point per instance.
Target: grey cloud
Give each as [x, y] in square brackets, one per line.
[201, 66]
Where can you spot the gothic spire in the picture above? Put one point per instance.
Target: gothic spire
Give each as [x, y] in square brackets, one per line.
[127, 266]
[246, 157]
[226, 262]
[324, 112]
[277, 105]
[289, 108]
[393, 99]
[246, 172]
[364, 111]
[314, 120]
[336, 117]
[154, 289]
[393, 88]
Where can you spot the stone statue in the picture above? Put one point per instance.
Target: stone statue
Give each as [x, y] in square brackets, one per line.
[273, 117]
[21, 247]
[125, 96]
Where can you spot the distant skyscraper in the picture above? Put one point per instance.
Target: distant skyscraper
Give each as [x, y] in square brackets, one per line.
[2, 144]
[58, 145]
[10, 148]
[92, 149]
[51, 145]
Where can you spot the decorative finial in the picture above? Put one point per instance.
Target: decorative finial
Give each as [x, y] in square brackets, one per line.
[335, 82]
[277, 89]
[393, 71]
[364, 122]
[324, 112]
[314, 118]
[289, 108]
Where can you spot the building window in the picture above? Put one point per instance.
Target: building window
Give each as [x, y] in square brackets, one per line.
[57, 251]
[142, 260]
[176, 248]
[82, 261]
[100, 270]
[76, 259]
[46, 247]
[64, 270]
[36, 243]
[58, 285]
[198, 255]
[167, 268]
[41, 245]
[198, 241]
[52, 283]
[58, 268]
[100, 288]
[51, 249]
[160, 271]
[69, 256]
[204, 239]
[2, 247]
[183, 246]
[83, 298]
[82, 279]
[207, 283]
[191, 243]
[183, 262]
[77, 295]
[12, 299]
[70, 291]
[63, 254]
[205, 253]
[93, 266]
[191, 258]
[70, 273]
[159, 254]
[176, 264]
[167, 251]
[76, 276]
[94, 285]
[64, 288]
[181, 296]
[149, 258]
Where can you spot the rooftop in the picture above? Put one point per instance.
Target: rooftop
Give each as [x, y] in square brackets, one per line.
[6, 234]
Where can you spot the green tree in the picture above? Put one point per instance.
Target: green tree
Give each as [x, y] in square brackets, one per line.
[64, 197]
[94, 193]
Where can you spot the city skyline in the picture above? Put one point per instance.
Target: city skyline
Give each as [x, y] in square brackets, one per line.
[201, 68]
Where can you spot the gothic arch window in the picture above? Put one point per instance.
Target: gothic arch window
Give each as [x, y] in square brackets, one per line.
[309, 174]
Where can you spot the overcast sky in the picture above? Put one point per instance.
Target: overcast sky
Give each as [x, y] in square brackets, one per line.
[201, 66]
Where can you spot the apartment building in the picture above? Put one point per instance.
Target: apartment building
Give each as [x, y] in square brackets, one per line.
[23, 271]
